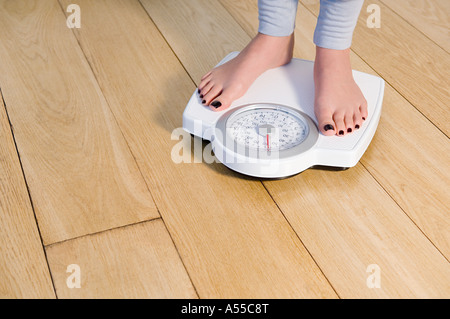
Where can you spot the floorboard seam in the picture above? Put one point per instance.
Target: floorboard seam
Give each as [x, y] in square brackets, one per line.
[29, 194]
[165, 225]
[404, 211]
[420, 31]
[181, 259]
[102, 231]
[298, 236]
[167, 42]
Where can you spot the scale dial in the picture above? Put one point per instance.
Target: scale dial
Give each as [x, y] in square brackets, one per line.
[271, 128]
[257, 130]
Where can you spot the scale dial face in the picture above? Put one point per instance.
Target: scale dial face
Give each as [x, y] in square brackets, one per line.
[274, 129]
[265, 128]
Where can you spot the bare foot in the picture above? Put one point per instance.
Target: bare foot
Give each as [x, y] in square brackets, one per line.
[227, 82]
[339, 104]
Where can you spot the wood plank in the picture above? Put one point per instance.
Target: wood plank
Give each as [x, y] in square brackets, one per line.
[230, 234]
[412, 63]
[81, 174]
[137, 261]
[432, 17]
[23, 268]
[348, 232]
[346, 220]
[411, 170]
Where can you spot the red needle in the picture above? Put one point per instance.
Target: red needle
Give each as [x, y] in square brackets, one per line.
[267, 141]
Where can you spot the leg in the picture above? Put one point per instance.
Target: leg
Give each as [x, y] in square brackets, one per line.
[271, 47]
[339, 105]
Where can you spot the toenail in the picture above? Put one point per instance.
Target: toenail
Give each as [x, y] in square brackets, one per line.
[216, 104]
[328, 127]
[357, 126]
[203, 102]
[198, 91]
[201, 96]
[349, 130]
[364, 118]
[341, 132]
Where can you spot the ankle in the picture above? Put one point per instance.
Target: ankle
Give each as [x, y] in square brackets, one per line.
[329, 59]
[265, 46]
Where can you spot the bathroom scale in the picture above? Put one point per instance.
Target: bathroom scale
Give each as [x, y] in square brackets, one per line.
[271, 131]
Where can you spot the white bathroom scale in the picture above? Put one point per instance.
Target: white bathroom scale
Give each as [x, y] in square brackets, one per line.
[271, 131]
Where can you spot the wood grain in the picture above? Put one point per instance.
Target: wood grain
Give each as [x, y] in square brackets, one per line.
[230, 234]
[80, 171]
[137, 261]
[347, 232]
[412, 63]
[346, 220]
[432, 17]
[75, 137]
[23, 269]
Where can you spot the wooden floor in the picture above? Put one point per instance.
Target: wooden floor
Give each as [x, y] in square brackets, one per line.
[87, 177]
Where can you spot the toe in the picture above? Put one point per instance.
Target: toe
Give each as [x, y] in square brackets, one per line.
[222, 101]
[206, 75]
[341, 129]
[363, 110]
[203, 84]
[212, 94]
[205, 90]
[349, 124]
[326, 123]
[205, 79]
[357, 120]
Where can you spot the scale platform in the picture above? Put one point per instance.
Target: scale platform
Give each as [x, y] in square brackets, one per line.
[271, 131]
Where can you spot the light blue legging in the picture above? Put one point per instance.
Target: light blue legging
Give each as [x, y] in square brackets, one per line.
[335, 25]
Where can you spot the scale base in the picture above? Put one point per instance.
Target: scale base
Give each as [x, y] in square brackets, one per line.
[292, 85]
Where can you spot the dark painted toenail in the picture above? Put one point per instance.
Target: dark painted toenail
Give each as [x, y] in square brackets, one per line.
[357, 126]
[216, 104]
[349, 130]
[203, 102]
[364, 118]
[198, 91]
[201, 96]
[328, 127]
[341, 132]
